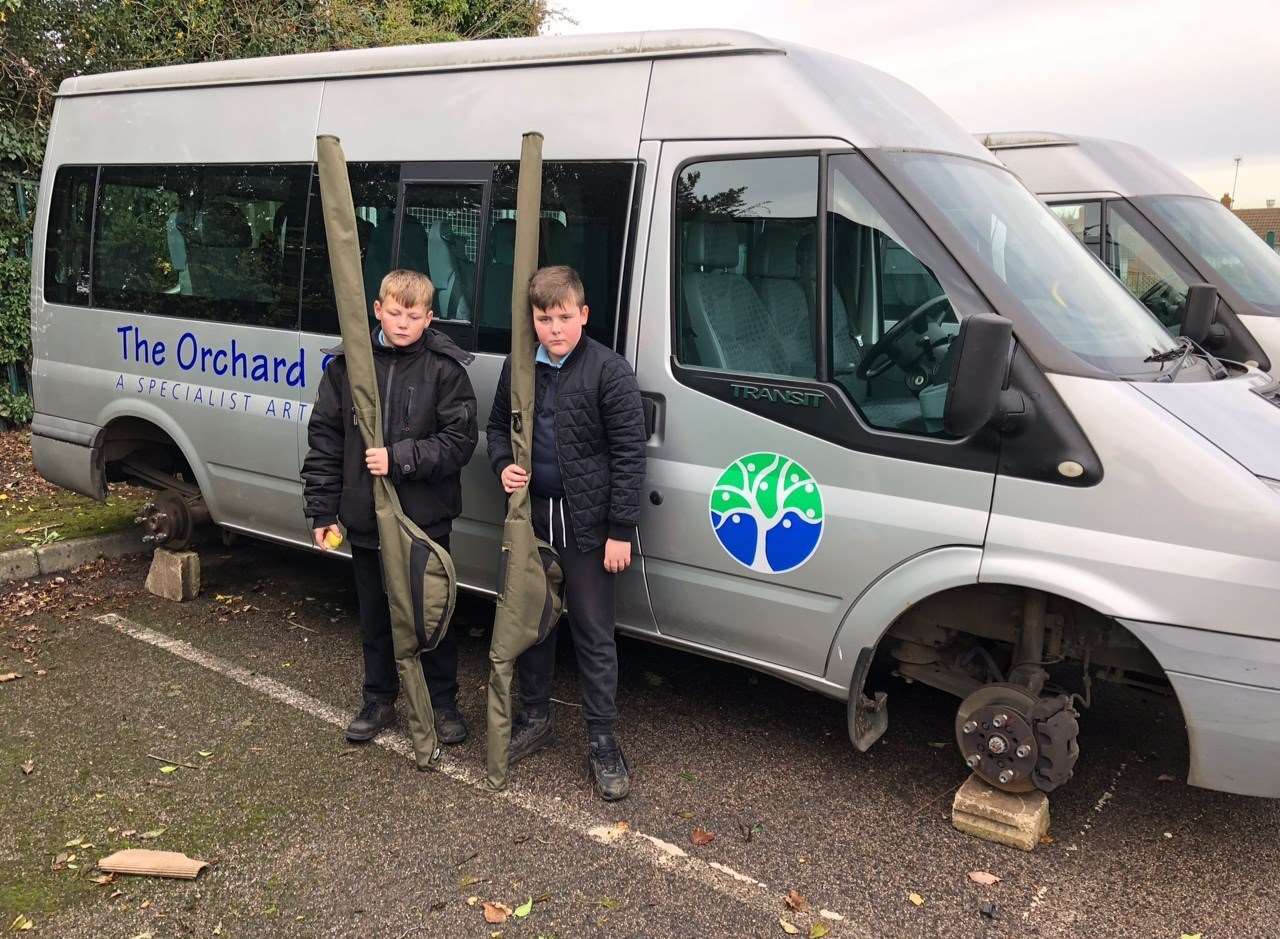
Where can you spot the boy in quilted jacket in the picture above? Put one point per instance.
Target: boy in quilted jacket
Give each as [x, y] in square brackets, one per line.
[587, 469]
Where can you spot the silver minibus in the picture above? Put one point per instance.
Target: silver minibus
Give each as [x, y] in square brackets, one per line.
[896, 411]
[1158, 232]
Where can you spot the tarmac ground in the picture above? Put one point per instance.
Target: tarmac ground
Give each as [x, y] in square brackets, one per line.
[245, 691]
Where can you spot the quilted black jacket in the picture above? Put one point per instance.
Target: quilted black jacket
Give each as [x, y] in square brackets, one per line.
[600, 439]
[428, 424]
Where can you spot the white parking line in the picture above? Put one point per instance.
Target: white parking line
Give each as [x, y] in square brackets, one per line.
[653, 851]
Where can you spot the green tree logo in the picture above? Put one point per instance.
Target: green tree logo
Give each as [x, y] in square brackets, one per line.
[766, 511]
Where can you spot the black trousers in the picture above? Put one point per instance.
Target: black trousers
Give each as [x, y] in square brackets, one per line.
[589, 596]
[381, 681]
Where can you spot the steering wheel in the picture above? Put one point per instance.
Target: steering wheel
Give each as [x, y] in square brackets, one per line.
[881, 356]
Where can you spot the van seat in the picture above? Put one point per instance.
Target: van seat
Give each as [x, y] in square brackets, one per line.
[730, 327]
[498, 272]
[775, 274]
[446, 252]
[221, 259]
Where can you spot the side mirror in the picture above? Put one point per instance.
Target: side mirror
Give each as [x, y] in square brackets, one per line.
[978, 375]
[1199, 312]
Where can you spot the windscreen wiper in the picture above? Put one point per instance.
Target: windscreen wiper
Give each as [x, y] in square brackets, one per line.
[1169, 354]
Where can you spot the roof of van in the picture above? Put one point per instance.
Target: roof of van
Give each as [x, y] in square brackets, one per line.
[441, 56]
[1057, 164]
[664, 85]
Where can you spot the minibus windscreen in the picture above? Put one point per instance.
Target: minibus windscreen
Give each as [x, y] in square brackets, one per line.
[1239, 257]
[1047, 270]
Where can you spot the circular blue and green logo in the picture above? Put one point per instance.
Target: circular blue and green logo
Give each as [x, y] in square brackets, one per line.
[766, 511]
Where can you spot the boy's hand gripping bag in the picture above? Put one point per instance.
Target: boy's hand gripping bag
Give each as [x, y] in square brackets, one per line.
[420, 580]
[530, 582]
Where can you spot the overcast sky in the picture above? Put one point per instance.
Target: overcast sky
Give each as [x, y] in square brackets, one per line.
[1197, 82]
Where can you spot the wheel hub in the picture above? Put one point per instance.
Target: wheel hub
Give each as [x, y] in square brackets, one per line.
[996, 737]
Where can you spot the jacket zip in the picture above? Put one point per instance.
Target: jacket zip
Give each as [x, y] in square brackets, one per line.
[408, 408]
[386, 412]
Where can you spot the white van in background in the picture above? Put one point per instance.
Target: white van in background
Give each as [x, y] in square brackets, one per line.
[1158, 231]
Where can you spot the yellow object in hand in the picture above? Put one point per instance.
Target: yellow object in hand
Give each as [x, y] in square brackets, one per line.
[333, 539]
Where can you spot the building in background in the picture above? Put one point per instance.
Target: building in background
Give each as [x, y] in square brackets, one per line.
[1265, 222]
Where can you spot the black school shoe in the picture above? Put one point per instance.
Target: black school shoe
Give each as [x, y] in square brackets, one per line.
[450, 727]
[608, 768]
[528, 736]
[373, 719]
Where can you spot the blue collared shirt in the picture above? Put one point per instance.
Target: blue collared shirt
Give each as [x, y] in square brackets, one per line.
[544, 357]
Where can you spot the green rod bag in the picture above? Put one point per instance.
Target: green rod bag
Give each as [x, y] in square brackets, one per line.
[530, 582]
[420, 580]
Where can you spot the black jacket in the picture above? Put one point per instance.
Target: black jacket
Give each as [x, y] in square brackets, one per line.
[600, 440]
[428, 423]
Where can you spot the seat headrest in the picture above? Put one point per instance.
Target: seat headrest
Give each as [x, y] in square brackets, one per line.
[224, 226]
[775, 253]
[502, 241]
[711, 244]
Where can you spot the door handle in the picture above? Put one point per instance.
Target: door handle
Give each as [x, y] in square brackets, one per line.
[655, 408]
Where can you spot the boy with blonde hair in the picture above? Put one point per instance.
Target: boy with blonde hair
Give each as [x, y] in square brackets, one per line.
[429, 428]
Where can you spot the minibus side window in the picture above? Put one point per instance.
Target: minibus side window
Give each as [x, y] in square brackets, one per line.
[1084, 219]
[201, 242]
[584, 225]
[440, 236]
[66, 254]
[892, 323]
[1144, 271]
[745, 236]
[374, 189]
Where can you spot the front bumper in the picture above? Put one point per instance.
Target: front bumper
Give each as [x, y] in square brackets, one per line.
[1229, 690]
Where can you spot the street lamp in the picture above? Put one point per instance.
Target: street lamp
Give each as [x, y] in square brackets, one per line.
[1235, 180]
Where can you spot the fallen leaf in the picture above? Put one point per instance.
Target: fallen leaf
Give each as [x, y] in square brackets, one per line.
[217, 930]
[470, 880]
[688, 777]
[831, 915]
[1165, 777]
[128, 833]
[1190, 935]
[701, 836]
[41, 672]
[939, 744]
[609, 903]
[143, 935]
[1047, 839]
[205, 753]
[797, 901]
[168, 769]
[151, 835]
[74, 842]
[916, 899]
[104, 879]
[27, 767]
[789, 928]
[145, 904]
[21, 923]
[472, 901]
[818, 930]
[525, 908]
[496, 913]
[11, 676]
[622, 826]
[983, 878]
